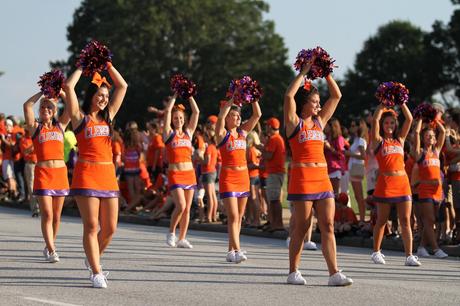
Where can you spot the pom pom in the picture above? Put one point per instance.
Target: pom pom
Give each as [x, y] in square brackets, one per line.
[182, 86]
[244, 91]
[94, 58]
[392, 93]
[426, 112]
[51, 83]
[322, 66]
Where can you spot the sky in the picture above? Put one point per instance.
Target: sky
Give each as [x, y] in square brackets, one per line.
[34, 32]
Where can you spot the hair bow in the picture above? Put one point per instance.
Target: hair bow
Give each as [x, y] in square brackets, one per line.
[307, 85]
[98, 80]
[179, 107]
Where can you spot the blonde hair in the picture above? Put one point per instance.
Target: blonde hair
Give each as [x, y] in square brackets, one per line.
[253, 139]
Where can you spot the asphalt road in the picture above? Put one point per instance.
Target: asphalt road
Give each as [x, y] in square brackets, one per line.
[144, 271]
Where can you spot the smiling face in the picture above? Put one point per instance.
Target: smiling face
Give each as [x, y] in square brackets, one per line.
[47, 110]
[312, 106]
[389, 126]
[178, 119]
[100, 99]
[429, 138]
[233, 119]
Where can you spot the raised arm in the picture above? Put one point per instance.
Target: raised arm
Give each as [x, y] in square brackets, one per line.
[291, 120]
[407, 123]
[375, 138]
[441, 135]
[120, 91]
[220, 124]
[29, 116]
[416, 149]
[72, 106]
[64, 119]
[194, 117]
[331, 104]
[167, 123]
[256, 114]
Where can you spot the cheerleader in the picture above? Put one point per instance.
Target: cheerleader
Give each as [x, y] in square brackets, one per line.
[392, 185]
[50, 174]
[94, 183]
[309, 181]
[177, 136]
[427, 150]
[234, 186]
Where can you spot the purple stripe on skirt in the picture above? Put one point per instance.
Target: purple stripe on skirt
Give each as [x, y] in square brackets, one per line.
[428, 200]
[95, 193]
[230, 194]
[310, 196]
[182, 186]
[51, 192]
[392, 199]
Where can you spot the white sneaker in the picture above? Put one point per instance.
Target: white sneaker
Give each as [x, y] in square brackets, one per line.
[184, 244]
[412, 261]
[288, 241]
[99, 280]
[339, 279]
[171, 240]
[440, 254]
[422, 252]
[46, 253]
[230, 256]
[240, 256]
[53, 257]
[378, 258]
[295, 278]
[310, 245]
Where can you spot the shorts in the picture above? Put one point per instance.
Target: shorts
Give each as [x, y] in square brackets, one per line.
[335, 174]
[263, 182]
[254, 181]
[7, 169]
[274, 185]
[208, 178]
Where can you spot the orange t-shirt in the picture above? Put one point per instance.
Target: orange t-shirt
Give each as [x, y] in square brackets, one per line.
[345, 214]
[276, 146]
[253, 158]
[156, 145]
[27, 150]
[210, 151]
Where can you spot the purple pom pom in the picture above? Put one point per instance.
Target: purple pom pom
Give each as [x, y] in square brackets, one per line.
[392, 93]
[321, 67]
[182, 86]
[51, 83]
[426, 112]
[94, 58]
[244, 91]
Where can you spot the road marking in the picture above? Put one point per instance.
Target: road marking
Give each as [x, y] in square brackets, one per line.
[49, 302]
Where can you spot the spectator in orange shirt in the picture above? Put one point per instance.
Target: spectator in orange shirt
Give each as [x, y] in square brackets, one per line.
[155, 150]
[274, 154]
[8, 147]
[345, 219]
[26, 148]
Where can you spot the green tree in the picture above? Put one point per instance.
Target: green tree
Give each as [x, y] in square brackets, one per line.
[210, 41]
[396, 53]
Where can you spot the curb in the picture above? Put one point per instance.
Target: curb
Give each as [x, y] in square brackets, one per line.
[361, 242]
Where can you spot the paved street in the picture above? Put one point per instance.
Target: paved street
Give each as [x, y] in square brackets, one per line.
[144, 271]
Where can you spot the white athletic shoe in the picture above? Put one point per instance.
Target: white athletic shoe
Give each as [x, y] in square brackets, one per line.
[412, 261]
[339, 279]
[295, 278]
[422, 252]
[288, 241]
[230, 256]
[310, 245]
[53, 257]
[99, 280]
[440, 254]
[240, 256]
[171, 240]
[378, 258]
[184, 244]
